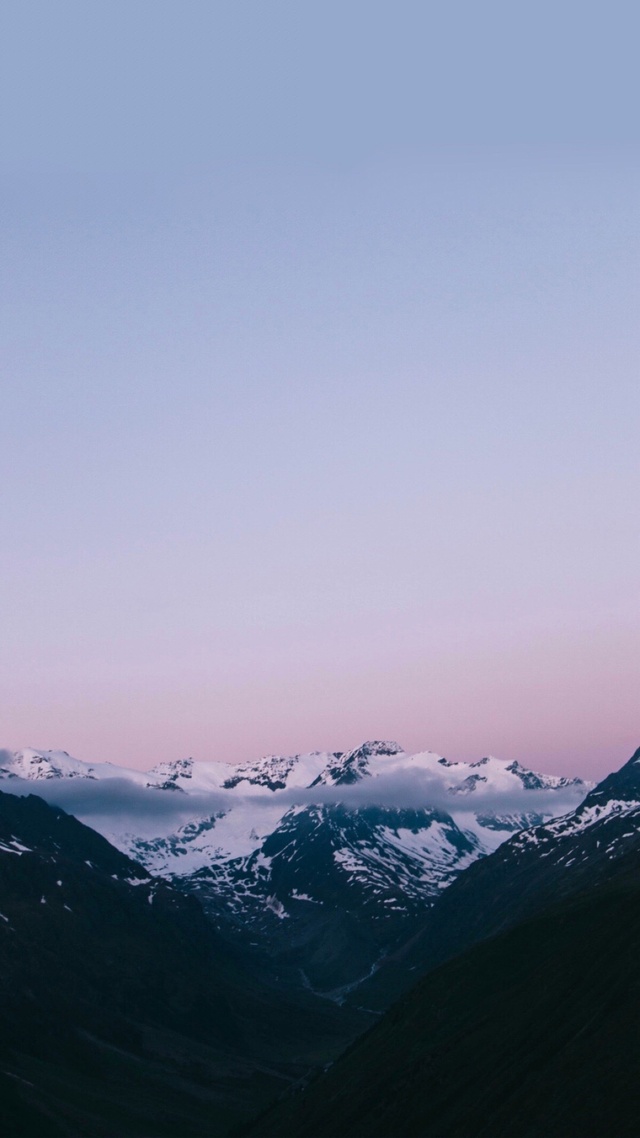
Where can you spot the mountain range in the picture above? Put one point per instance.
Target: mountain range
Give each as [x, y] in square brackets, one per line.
[496, 995]
[325, 860]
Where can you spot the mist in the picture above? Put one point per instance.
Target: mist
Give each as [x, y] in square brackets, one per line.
[119, 803]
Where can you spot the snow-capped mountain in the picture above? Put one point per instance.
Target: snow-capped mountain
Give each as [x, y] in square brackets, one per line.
[228, 812]
[305, 849]
[599, 833]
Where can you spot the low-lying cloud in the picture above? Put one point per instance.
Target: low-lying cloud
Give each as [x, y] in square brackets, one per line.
[416, 790]
[121, 804]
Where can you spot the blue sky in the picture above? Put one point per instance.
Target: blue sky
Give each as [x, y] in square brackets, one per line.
[320, 392]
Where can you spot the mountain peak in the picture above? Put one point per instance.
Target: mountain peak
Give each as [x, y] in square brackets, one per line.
[165, 775]
[378, 748]
[353, 765]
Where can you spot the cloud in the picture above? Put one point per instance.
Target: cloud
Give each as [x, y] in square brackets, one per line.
[416, 789]
[118, 803]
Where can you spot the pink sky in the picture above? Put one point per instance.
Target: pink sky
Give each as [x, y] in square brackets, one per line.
[320, 400]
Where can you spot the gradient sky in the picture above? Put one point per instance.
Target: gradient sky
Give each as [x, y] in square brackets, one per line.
[319, 405]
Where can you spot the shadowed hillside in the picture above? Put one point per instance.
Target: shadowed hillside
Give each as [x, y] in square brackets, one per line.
[122, 1010]
[533, 1033]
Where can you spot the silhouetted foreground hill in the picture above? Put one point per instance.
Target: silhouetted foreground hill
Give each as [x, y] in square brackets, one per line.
[122, 1011]
[532, 1034]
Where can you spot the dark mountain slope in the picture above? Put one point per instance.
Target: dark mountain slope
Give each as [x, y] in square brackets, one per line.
[532, 1034]
[122, 1010]
[584, 850]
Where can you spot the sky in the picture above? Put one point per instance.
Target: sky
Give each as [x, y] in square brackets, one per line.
[319, 397]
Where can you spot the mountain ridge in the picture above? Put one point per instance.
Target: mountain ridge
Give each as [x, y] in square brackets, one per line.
[307, 852]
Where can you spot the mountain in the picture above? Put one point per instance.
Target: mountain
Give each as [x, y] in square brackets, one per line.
[127, 1009]
[327, 859]
[585, 849]
[529, 1026]
[532, 1033]
[122, 1009]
